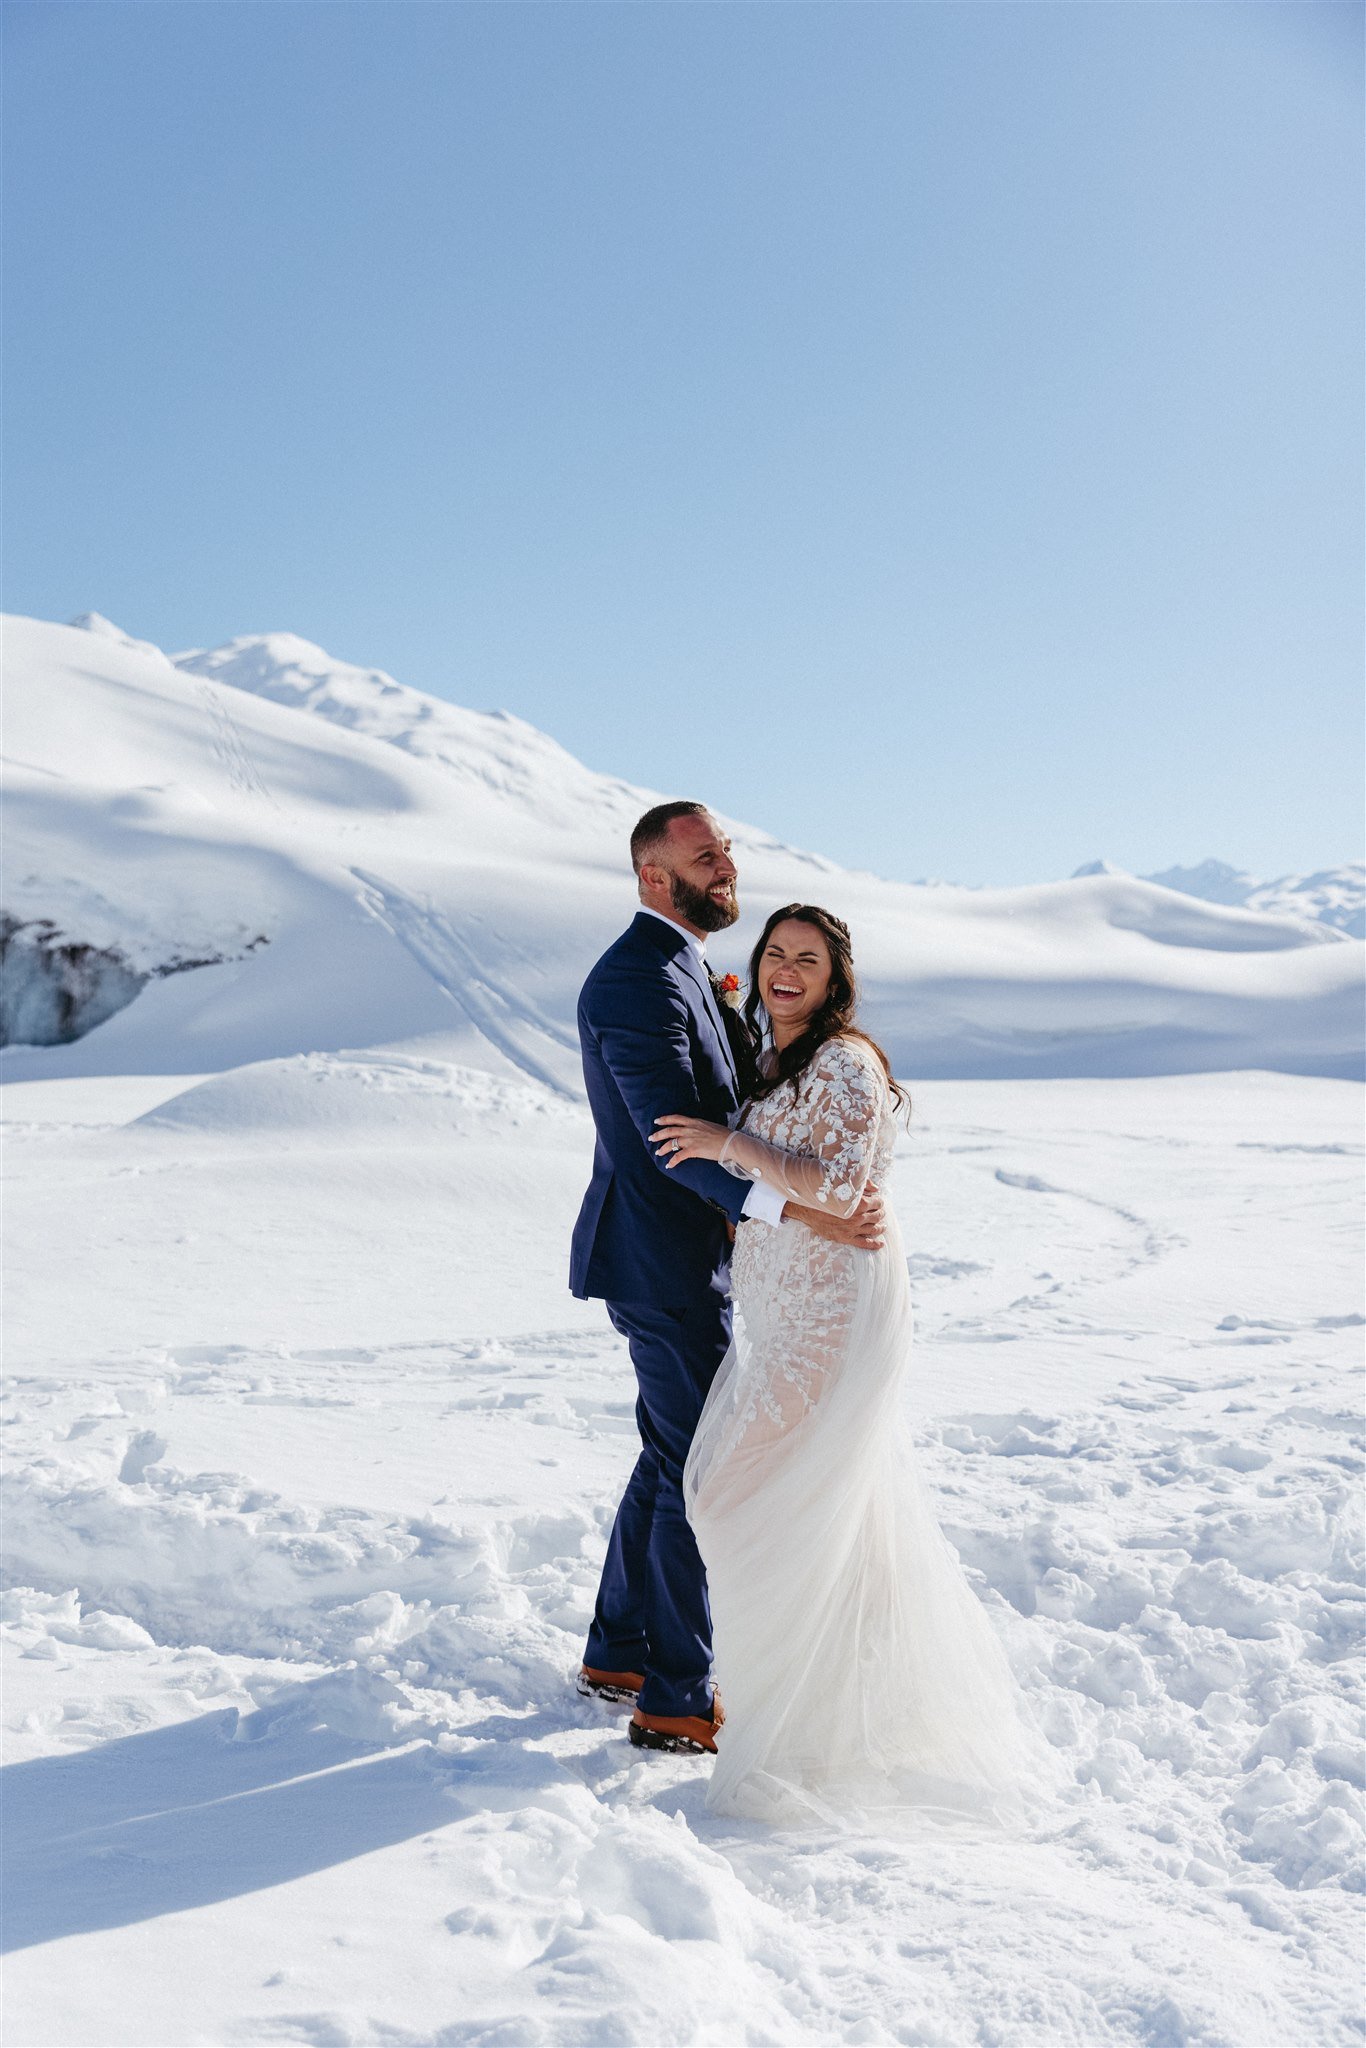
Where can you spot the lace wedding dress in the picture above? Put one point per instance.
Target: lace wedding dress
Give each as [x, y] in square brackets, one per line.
[860, 1672]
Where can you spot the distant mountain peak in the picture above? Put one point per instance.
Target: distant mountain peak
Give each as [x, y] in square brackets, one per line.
[1335, 897]
[1097, 867]
[496, 749]
[105, 629]
[252, 660]
[1213, 879]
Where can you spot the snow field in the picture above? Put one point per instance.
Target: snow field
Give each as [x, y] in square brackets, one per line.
[311, 1458]
[297, 1585]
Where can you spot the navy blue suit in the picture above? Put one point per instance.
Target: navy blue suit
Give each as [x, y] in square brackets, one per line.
[654, 1246]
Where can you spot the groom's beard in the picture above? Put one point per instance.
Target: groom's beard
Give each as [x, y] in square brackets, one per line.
[707, 912]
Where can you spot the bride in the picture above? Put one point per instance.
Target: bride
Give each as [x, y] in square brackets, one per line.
[860, 1671]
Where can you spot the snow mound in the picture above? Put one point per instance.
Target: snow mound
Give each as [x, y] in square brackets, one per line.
[1135, 907]
[321, 1095]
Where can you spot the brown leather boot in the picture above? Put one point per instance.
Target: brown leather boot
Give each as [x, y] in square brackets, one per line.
[609, 1685]
[688, 1734]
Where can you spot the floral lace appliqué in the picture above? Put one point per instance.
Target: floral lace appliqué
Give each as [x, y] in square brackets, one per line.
[823, 1138]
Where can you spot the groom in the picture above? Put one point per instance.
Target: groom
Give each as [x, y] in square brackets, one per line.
[655, 1246]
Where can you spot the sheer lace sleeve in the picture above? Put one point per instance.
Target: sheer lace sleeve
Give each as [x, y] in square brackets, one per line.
[828, 1136]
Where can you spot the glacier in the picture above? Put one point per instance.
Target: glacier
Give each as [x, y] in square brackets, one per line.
[54, 989]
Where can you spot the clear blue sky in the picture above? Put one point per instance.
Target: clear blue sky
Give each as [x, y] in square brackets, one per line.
[932, 432]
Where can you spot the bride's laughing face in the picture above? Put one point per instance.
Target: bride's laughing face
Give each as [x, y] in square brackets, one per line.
[794, 976]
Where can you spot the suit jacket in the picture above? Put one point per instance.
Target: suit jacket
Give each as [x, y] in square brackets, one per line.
[654, 1044]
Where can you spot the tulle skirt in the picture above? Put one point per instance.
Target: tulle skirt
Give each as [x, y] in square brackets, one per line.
[861, 1675]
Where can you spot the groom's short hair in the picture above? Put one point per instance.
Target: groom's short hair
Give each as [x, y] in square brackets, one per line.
[652, 830]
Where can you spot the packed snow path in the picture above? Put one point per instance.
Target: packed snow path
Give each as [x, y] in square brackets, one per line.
[308, 1482]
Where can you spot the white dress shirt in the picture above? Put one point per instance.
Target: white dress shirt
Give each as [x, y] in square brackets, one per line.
[763, 1204]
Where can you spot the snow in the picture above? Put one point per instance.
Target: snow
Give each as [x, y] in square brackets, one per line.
[1335, 897]
[307, 1489]
[311, 1457]
[370, 866]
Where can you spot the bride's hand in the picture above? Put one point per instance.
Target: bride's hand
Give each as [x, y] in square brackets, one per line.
[687, 1137]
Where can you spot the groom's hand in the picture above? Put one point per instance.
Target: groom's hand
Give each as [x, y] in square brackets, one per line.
[865, 1228]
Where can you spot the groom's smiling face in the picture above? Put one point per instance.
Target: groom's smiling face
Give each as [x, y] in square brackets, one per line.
[696, 869]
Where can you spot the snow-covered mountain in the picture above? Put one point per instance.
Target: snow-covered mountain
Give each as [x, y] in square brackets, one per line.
[1331, 896]
[491, 749]
[361, 864]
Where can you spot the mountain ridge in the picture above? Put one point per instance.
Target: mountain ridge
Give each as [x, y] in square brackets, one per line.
[290, 670]
[287, 669]
[1335, 897]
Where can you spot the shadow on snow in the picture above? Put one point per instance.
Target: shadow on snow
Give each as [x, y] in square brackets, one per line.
[204, 1810]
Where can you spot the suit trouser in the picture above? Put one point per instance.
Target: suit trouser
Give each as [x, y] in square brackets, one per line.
[652, 1614]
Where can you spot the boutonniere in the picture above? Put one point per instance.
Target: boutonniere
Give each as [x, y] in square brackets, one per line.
[731, 991]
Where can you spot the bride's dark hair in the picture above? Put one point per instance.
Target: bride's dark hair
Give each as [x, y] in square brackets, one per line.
[835, 1017]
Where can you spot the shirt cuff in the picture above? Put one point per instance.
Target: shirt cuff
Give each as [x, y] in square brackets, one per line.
[763, 1204]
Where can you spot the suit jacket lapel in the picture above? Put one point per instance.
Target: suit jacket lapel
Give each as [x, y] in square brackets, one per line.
[656, 931]
[703, 980]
